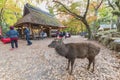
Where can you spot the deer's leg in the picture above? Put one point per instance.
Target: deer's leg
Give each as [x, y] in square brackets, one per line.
[72, 63]
[93, 65]
[90, 61]
[68, 64]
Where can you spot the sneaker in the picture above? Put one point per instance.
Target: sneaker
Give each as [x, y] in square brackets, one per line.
[29, 44]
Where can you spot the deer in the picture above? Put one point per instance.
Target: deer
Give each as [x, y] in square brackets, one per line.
[71, 51]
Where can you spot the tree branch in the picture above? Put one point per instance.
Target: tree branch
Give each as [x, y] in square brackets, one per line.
[88, 3]
[111, 5]
[117, 4]
[68, 11]
[99, 5]
[93, 6]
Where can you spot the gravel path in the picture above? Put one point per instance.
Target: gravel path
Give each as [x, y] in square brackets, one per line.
[38, 62]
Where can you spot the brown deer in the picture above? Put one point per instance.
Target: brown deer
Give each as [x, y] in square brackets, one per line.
[71, 51]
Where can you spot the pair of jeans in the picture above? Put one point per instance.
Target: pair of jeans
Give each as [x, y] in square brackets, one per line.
[14, 42]
[28, 40]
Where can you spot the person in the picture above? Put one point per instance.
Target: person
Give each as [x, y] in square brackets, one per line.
[64, 33]
[57, 34]
[45, 34]
[42, 34]
[20, 32]
[13, 34]
[67, 35]
[27, 35]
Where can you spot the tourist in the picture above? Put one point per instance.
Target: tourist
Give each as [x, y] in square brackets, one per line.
[27, 35]
[13, 34]
[42, 34]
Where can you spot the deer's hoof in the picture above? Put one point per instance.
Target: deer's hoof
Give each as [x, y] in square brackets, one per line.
[88, 68]
[92, 71]
[67, 68]
[70, 73]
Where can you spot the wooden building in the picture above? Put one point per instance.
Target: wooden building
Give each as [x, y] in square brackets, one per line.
[37, 20]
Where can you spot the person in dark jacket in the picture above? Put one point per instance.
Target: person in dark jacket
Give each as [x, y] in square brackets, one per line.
[13, 34]
[27, 34]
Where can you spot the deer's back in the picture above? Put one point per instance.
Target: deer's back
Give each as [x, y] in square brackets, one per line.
[82, 50]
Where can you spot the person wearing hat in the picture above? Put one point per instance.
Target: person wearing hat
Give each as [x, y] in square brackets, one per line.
[13, 34]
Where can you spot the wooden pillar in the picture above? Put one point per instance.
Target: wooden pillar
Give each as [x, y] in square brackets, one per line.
[41, 27]
[30, 28]
[22, 30]
[49, 31]
[31, 32]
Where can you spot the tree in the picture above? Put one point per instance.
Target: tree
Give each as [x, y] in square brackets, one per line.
[83, 17]
[2, 7]
[95, 6]
[10, 12]
[75, 26]
[7, 12]
[79, 17]
[115, 5]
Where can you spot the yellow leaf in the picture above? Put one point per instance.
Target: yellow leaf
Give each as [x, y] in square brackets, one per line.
[13, 8]
[91, 18]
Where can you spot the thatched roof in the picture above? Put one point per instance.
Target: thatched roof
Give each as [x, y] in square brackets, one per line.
[35, 15]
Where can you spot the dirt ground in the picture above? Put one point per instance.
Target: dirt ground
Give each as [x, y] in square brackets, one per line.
[38, 62]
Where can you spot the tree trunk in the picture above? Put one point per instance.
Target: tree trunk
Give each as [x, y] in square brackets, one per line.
[1, 15]
[118, 24]
[81, 27]
[88, 29]
[95, 22]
